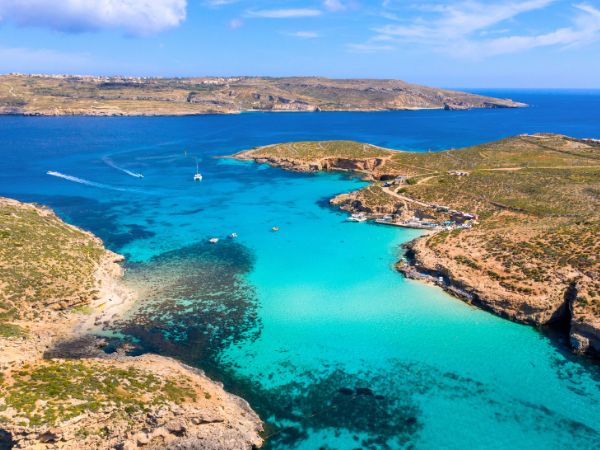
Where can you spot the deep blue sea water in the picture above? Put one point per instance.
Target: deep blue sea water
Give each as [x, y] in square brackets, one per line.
[310, 324]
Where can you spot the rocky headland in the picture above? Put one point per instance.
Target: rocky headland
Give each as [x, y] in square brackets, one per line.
[58, 388]
[512, 226]
[59, 95]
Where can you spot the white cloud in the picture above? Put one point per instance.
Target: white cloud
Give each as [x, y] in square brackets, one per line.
[217, 3]
[234, 24]
[135, 17]
[291, 13]
[334, 5]
[460, 19]
[586, 29]
[465, 29]
[305, 34]
[369, 48]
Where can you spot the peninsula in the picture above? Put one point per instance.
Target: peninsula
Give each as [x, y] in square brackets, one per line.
[58, 389]
[60, 95]
[513, 226]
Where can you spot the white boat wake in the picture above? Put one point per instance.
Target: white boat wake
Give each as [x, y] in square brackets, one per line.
[86, 182]
[110, 163]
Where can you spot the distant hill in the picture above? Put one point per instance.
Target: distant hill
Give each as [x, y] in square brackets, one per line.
[130, 96]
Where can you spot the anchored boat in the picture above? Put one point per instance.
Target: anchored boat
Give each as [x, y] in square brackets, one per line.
[197, 175]
[358, 217]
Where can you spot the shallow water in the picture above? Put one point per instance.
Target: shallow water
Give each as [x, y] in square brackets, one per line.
[311, 324]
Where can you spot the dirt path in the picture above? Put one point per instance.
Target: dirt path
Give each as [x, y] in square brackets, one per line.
[541, 167]
[404, 198]
[423, 180]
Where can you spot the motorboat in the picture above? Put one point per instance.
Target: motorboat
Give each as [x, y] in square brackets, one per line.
[213, 240]
[358, 217]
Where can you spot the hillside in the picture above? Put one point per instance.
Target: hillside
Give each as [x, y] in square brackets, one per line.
[88, 95]
[45, 264]
[58, 389]
[514, 224]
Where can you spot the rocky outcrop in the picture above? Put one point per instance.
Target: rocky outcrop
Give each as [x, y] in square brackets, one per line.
[585, 322]
[559, 305]
[209, 418]
[366, 165]
[359, 202]
[585, 336]
[469, 285]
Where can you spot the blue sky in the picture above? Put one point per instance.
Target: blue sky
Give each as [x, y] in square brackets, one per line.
[471, 43]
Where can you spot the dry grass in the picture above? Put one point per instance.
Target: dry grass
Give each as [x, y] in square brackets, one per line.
[50, 392]
[44, 263]
[313, 151]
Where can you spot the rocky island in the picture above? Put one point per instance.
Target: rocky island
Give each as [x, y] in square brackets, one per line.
[513, 226]
[58, 389]
[60, 95]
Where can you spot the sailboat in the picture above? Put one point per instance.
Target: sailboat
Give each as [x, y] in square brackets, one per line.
[198, 175]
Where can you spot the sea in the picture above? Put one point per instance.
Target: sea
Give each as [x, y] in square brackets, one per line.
[310, 324]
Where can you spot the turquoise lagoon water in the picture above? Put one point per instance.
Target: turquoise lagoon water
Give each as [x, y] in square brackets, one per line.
[310, 324]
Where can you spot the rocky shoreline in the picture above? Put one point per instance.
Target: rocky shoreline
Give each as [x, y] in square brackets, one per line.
[584, 336]
[57, 385]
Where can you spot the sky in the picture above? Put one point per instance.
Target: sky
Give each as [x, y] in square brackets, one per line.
[465, 43]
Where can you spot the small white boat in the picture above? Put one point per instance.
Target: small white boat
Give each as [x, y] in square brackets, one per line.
[233, 235]
[197, 175]
[213, 240]
[358, 217]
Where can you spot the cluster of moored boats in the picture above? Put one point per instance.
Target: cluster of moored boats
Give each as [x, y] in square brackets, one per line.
[215, 240]
[390, 219]
[358, 217]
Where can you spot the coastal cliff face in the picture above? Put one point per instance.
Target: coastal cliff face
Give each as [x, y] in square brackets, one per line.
[537, 304]
[58, 389]
[514, 224]
[148, 402]
[108, 96]
[314, 156]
